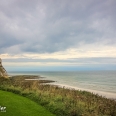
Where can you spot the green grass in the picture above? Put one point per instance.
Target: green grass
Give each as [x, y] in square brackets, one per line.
[20, 106]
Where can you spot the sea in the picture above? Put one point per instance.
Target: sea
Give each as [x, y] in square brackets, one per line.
[97, 82]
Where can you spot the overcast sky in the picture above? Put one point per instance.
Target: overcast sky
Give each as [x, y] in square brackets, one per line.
[58, 34]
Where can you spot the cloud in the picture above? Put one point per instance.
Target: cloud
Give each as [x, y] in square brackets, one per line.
[52, 26]
[58, 33]
[85, 56]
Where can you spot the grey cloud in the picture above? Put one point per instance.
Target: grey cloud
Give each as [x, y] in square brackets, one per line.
[6, 41]
[49, 26]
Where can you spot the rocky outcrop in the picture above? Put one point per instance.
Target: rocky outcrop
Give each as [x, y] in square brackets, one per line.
[2, 70]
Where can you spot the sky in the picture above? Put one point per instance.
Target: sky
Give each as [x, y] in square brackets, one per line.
[51, 35]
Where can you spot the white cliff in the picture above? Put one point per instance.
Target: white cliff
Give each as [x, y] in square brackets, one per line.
[2, 70]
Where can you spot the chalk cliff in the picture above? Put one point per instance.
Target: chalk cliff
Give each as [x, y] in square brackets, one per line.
[2, 70]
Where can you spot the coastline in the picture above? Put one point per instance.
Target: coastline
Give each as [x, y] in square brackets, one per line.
[108, 95]
[52, 82]
[100, 93]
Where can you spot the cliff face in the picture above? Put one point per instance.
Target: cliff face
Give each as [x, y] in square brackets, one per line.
[2, 70]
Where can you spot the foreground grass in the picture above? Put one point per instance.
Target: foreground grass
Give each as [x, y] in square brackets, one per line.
[21, 106]
[60, 101]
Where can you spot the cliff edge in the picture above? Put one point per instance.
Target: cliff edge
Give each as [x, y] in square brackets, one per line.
[2, 70]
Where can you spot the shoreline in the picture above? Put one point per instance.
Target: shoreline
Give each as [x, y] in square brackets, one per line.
[100, 93]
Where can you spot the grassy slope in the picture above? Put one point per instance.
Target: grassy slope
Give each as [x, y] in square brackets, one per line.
[20, 106]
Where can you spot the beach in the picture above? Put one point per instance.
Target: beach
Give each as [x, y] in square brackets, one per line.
[100, 93]
[97, 82]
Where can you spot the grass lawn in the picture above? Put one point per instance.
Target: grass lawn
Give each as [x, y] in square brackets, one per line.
[20, 106]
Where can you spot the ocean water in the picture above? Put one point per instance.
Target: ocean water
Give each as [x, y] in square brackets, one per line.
[101, 82]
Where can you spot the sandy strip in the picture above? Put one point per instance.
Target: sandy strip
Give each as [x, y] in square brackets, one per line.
[101, 93]
[32, 79]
